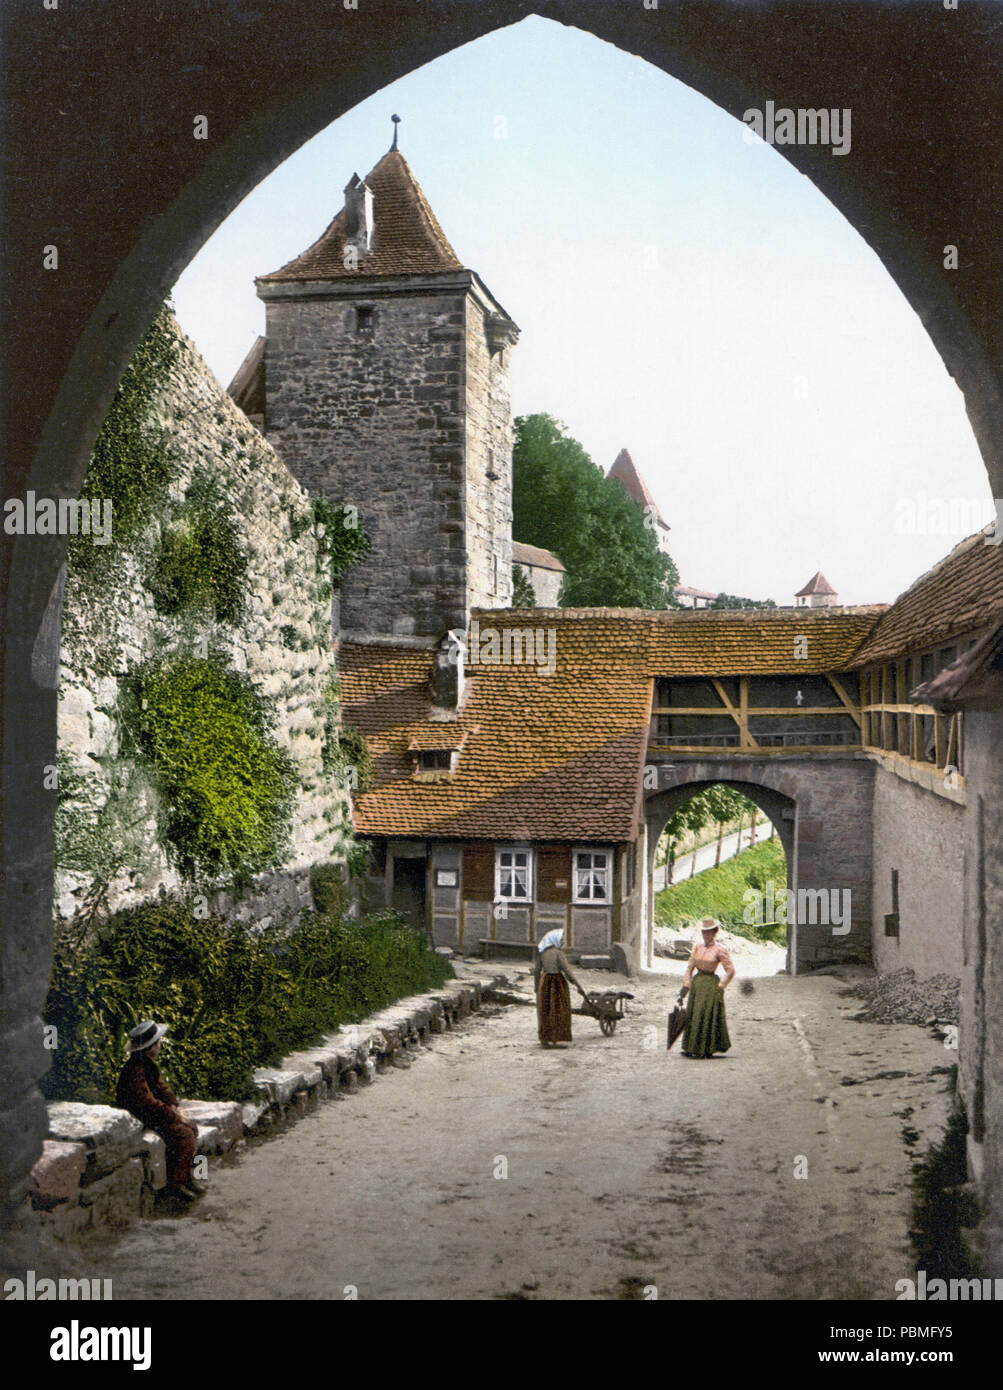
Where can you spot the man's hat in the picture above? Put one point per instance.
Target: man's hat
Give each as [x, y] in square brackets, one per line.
[708, 924]
[145, 1034]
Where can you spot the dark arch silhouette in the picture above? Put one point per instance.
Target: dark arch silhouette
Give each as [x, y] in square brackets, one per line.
[101, 161]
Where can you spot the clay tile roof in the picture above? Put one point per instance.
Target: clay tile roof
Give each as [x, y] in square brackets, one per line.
[407, 238]
[963, 592]
[523, 554]
[624, 470]
[558, 756]
[818, 584]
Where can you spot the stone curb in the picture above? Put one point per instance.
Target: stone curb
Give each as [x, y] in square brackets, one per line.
[100, 1167]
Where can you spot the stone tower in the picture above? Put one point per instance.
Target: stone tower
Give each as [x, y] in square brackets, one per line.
[386, 387]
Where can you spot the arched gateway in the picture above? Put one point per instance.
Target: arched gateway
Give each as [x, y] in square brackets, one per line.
[821, 808]
[101, 156]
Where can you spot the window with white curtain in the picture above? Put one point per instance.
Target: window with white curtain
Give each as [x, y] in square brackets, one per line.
[592, 875]
[514, 875]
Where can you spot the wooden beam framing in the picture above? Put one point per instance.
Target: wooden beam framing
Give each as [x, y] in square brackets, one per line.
[741, 717]
[852, 710]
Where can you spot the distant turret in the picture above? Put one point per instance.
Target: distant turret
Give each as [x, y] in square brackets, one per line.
[817, 593]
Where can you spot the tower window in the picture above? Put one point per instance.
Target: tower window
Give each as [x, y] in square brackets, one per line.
[364, 318]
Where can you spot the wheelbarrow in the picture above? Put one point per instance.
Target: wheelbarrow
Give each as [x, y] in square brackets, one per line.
[607, 1006]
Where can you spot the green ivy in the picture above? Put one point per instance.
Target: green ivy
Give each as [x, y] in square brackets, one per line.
[225, 787]
[341, 541]
[200, 566]
[131, 464]
[233, 997]
[353, 752]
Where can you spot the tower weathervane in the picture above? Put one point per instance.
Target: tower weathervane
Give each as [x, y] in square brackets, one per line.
[396, 120]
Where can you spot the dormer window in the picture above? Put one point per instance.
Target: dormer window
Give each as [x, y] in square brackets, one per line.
[432, 759]
[435, 760]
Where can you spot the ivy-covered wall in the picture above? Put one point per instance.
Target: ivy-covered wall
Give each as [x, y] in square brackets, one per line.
[198, 705]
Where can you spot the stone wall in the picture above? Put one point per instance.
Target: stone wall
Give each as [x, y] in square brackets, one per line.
[980, 1035]
[488, 470]
[921, 836]
[281, 640]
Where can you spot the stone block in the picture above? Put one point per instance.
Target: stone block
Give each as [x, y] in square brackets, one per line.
[109, 1135]
[57, 1172]
[255, 1114]
[225, 1116]
[156, 1160]
[328, 1061]
[279, 1085]
[115, 1199]
[208, 1139]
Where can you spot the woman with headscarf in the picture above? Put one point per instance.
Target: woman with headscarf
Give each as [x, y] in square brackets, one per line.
[551, 973]
[706, 1029]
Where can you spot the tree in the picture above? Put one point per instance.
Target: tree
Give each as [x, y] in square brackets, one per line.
[523, 593]
[563, 502]
[733, 601]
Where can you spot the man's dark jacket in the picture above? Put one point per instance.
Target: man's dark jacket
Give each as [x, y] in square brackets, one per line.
[144, 1093]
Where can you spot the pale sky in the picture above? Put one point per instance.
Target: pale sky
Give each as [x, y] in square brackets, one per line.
[681, 293]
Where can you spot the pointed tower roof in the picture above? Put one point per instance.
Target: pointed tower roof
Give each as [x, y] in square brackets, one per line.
[406, 236]
[818, 584]
[624, 470]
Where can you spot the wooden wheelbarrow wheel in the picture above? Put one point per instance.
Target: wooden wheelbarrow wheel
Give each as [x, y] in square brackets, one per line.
[608, 1026]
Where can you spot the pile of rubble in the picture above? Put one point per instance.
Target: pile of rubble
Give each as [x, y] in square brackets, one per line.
[900, 998]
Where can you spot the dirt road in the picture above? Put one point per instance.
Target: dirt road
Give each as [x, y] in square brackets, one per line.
[497, 1169]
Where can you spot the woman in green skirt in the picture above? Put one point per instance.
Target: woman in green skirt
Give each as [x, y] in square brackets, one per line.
[706, 1030]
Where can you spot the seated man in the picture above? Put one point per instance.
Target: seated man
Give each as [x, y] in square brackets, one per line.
[144, 1093]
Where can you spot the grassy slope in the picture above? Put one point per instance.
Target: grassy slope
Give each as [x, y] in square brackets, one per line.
[718, 892]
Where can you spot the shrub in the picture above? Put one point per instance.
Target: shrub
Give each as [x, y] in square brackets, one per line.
[354, 753]
[225, 787]
[233, 998]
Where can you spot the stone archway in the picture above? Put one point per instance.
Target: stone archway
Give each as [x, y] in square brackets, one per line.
[102, 163]
[662, 806]
[821, 807]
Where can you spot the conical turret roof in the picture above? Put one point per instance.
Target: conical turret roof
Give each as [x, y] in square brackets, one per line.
[407, 238]
[818, 584]
[624, 470]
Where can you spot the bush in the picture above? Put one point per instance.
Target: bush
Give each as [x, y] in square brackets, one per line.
[233, 998]
[225, 787]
